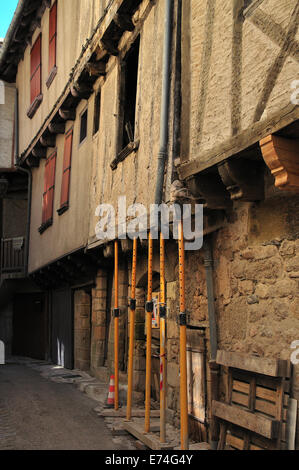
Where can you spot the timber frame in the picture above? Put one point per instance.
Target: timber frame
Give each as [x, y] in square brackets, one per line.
[91, 65]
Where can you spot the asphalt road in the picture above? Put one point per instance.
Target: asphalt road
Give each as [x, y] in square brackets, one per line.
[38, 414]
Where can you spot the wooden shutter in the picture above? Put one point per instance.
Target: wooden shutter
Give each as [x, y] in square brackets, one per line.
[35, 72]
[67, 161]
[52, 36]
[49, 186]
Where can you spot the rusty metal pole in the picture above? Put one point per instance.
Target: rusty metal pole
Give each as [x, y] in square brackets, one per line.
[183, 343]
[149, 314]
[132, 330]
[116, 326]
[162, 342]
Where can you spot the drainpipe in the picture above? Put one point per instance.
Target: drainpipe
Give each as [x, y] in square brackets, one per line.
[163, 152]
[214, 368]
[29, 175]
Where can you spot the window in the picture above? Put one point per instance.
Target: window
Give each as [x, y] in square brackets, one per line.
[130, 92]
[35, 77]
[48, 196]
[97, 111]
[67, 162]
[127, 141]
[83, 126]
[52, 43]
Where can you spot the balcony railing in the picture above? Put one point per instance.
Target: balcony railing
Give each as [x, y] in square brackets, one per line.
[12, 255]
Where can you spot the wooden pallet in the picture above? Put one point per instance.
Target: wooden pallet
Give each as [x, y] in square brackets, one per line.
[254, 414]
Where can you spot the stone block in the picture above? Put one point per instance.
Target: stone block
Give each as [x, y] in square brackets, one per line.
[173, 374]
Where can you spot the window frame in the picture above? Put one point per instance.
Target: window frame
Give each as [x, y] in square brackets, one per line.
[49, 187]
[66, 172]
[97, 111]
[52, 67]
[85, 110]
[37, 97]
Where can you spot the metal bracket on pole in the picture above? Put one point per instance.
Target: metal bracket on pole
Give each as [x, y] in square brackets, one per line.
[132, 304]
[116, 312]
[162, 310]
[149, 306]
[183, 319]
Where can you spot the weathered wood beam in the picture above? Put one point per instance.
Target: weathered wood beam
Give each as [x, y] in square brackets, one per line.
[244, 179]
[39, 152]
[282, 157]
[81, 91]
[210, 188]
[124, 22]
[109, 46]
[57, 127]
[32, 161]
[96, 69]
[48, 141]
[67, 114]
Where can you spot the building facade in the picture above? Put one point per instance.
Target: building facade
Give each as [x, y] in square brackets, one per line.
[97, 93]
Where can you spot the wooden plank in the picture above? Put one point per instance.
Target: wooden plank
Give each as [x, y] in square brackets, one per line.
[258, 365]
[150, 440]
[235, 145]
[245, 419]
[241, 387]
[266, 394]
[235, 442]
[254, 447]
[265, 407]
[240, 399]
[122, 413]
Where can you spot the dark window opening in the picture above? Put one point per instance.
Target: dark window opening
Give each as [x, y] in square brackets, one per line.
[97, 112]
[83, 126]
[130, 92]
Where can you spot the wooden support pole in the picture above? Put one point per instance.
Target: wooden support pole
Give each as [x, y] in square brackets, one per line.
[132, 331]
[149, 312]
[116, 326]
[162, 342]
[183, 344]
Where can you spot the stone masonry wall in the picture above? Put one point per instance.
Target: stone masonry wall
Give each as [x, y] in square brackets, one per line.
[82, 330]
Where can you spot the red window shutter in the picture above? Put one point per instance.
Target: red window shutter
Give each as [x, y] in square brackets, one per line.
[35, 68]
[49, 187]
[67, 161]
[52, 36]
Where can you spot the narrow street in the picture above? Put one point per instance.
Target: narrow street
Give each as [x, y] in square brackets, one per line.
[38, 414]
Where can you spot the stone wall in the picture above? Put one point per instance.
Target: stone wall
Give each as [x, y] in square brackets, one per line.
[82, 309]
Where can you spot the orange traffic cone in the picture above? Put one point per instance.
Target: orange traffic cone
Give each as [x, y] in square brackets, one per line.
[110, 401]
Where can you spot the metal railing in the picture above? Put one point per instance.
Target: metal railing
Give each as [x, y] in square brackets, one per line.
[12, 255]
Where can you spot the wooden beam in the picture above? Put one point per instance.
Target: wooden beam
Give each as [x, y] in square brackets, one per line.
[39, 152]
[109, 46]
[81, 91]
[48, 141]
[56, 128]
[258, 365]
[244, 179]
[282, 157]
[235, 145]
[124, 22]
[258, 424]
[96, 69]
[67, 114]
[32, 161]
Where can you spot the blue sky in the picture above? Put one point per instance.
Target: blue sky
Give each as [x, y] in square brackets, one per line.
[7, 9]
